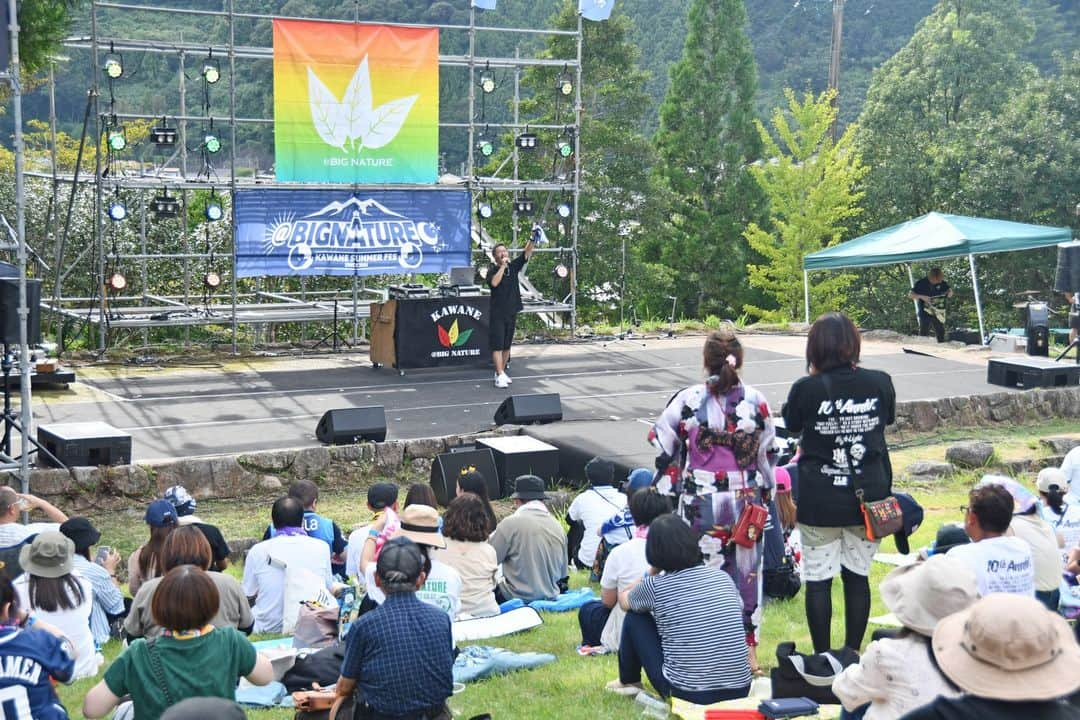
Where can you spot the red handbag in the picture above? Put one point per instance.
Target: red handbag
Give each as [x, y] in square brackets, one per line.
[750, 526]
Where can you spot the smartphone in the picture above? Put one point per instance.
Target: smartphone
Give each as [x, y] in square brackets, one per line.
[103, 552]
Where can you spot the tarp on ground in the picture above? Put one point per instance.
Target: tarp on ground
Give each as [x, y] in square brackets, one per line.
[934, 236]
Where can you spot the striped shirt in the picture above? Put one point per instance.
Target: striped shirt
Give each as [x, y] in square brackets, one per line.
[699, 615]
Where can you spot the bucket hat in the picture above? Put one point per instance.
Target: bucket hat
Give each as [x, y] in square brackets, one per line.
[49, 555]
[919, 595]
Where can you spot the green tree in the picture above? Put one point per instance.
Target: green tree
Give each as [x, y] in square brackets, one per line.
[811, 184]
[42, 25]
[706, 143]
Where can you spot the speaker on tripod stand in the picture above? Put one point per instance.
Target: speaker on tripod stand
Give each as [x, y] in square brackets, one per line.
[1067, 281]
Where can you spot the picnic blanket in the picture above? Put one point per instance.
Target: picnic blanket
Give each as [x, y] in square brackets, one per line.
[476, 662]
[523, 618]
[566, 602]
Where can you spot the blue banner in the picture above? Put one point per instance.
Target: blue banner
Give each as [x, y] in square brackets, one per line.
[331, 232]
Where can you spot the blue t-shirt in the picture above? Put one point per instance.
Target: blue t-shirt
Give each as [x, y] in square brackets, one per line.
[315, 526]
[27, 659]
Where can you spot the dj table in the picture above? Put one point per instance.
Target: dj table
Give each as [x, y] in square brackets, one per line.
[426, 332]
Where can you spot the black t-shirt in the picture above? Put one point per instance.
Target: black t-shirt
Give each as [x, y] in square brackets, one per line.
[218, 546]
[506, 296]
[929, 289]
[976, 708]
[863, 403]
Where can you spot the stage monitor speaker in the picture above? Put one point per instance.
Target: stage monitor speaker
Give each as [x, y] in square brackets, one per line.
[348, 425]
[1037, 326]
[529, 409]
[448, 467]
[1067, 278]
[9, 311]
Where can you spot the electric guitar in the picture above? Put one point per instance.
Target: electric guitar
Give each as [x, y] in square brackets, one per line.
[937, 307]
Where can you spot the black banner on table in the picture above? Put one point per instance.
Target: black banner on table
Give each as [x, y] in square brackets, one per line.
[443, 331]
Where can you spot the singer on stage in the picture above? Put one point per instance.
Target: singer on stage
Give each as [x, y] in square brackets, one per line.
[505, 305]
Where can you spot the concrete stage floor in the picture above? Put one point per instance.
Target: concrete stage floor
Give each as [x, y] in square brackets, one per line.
[276, 403]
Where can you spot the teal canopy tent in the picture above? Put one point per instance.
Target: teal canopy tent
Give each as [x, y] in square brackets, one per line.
[931, 237]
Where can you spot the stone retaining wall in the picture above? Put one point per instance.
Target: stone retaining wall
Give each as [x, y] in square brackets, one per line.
[408, 461]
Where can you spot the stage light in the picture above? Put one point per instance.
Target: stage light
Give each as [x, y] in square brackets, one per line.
[526, 141]
[211, 69]
[213, 211]
[117, 211]
[565, 84]
[485, 147]
[561, 271]
[484, 209]
[163, 135]
[166, 206]
[117, 138]
[487, 80]
[114, 65]
[564, 210]
[565, 146]
[116, 282]
[212, 280]
[524, 205]
[212, 143]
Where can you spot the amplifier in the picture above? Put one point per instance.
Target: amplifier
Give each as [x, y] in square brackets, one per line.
[84, 444]
[465, 291]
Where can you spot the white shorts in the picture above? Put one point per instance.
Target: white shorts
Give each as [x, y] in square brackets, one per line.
[827, 549]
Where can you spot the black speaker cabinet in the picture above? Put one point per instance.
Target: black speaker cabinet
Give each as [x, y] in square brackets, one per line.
[448, 467]
[1067, 277]
[348, 425]
[9, 311]
[1038, 341]
[84, 444]
[529, 409]
[522, 455]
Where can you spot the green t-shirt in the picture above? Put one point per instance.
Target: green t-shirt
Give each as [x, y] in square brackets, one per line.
[206, 666]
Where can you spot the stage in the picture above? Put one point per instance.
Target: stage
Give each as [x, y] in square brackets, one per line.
[276, 403]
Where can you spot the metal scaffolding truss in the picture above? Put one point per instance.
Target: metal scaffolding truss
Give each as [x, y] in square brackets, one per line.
[247, 302]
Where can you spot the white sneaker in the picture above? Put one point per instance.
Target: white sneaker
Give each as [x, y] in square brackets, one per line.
[506, 378]
[501, 381]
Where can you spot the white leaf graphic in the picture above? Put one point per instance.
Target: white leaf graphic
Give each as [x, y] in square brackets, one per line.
[386, 121]
[356, 105]
[326, 113]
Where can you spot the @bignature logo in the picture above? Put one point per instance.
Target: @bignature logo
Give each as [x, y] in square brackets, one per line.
[352, 124]
[354, 234]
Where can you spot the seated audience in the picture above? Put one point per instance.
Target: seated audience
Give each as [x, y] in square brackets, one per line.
[420, 494]
[185, 513]
[1011, 657]
[107, 598]
[683, 627]
[1001, 563]
[467, 551]
[531, 546]
[591, 508]
[316, 525]
[382, 497]
[399, 658]
[12, 504]
[264, 569]
[43, 657]
[472, 481]
[442, 584]
[623, 521]
[188, 546]
[191, 659]
[601, 620]
[896, 675]
[1055, 507]
[948, 536]
[145, 562]
[50, 589]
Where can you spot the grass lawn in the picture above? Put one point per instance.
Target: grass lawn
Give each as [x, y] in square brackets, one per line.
[572, 687]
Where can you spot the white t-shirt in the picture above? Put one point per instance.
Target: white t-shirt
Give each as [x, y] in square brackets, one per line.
[267, 583]
[75, 624]
[626, 564]
[1001, 564]
[593, 507]
[1067, 524]
[441, 589]
[1071, 467]
[353, 551]
[15, 533]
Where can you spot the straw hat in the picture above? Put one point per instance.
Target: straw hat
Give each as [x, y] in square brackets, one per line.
[920, 595]
[420, 523]
[1008, 647]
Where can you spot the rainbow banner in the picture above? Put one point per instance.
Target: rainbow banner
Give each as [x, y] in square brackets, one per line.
[355, 103]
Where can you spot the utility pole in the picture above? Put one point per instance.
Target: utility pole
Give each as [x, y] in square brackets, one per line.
[834, 59]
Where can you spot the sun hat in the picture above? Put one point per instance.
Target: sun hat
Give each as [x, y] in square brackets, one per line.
[919, 595]
[638, 479]
[160, 513]
[599, 472]
[1023, 499]
[49, 555]
[420, 523]
[81, 532]
[382, 495]
[1008, 647]
[1051, 476]
[181, 499]
[528, 487]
